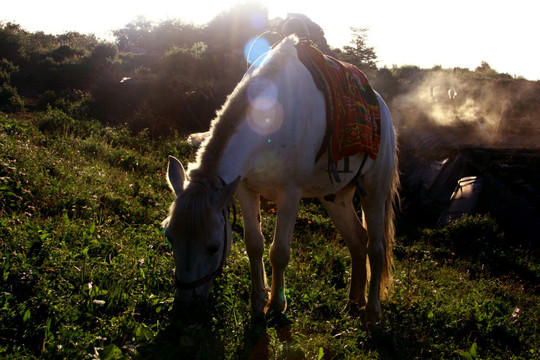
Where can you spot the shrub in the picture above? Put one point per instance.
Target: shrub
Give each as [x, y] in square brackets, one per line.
[10, 101]
[65, 52]
[104, 52]
[7, 70]
[469, 234]
[75, 103]
[56, 122]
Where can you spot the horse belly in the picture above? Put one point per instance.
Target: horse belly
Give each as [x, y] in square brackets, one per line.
[323, 183]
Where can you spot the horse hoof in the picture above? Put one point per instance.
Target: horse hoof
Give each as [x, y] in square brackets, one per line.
[277, 318]
[354, 308]
[275, 306]
[258, 317]
[372, 317]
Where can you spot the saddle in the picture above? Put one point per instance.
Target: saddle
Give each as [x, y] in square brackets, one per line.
[353, 115]
[352, 110]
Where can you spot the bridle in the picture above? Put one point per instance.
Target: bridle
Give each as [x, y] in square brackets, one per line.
[180, 285]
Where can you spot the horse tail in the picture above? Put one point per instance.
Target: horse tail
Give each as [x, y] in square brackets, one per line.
[392, 201]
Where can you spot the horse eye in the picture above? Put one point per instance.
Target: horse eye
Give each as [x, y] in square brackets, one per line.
[212, 249]
[167, 236]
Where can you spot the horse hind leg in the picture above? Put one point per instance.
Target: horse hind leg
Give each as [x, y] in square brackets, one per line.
[374, 213]
[344, 217]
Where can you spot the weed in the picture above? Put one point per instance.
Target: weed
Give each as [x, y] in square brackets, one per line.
[85, 271]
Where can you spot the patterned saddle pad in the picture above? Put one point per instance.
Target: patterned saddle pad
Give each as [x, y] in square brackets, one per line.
[352, 110]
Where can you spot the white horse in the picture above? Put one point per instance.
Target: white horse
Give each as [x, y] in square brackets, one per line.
[264, 141]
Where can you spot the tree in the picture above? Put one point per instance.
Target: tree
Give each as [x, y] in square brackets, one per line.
[360, 54]
[131, 37]
[175, 33]
[484, 68]
[11, 43]
[234, 27]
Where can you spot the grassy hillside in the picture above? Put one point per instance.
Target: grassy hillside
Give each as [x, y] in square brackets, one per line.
[85, 271]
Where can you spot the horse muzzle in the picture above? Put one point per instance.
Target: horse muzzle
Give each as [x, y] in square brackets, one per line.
[186, 301]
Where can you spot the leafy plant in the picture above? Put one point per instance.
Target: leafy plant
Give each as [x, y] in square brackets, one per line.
[85, 271]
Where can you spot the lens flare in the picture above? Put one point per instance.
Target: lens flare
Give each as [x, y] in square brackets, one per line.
[263, 118]
[265, 113]
[256, 50]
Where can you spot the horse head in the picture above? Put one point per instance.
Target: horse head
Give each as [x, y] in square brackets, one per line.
[199, 231]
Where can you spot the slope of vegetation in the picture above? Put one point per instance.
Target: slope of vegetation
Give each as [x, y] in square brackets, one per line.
[85, 271]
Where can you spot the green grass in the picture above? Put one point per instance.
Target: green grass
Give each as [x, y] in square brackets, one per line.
[85, 271]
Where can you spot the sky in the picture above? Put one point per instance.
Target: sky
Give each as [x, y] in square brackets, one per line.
[425, 33]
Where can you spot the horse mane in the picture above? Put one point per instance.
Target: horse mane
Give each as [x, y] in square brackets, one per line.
[234, 110]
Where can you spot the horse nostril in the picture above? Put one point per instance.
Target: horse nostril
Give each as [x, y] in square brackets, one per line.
[188, 305]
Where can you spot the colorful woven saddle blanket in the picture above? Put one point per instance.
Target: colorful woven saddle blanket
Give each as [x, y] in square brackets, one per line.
[352, 109]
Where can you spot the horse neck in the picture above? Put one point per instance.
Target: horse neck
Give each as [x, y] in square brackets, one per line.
[225, 155]
[230, 150]
[222, 162]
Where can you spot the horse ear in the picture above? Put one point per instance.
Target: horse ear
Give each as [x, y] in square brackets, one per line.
[225, 195]
[175, 175]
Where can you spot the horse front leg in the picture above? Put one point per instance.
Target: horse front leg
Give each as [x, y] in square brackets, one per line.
[254, 240]
[287, 208]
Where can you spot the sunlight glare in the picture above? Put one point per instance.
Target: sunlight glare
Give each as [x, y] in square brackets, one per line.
[258, 21]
